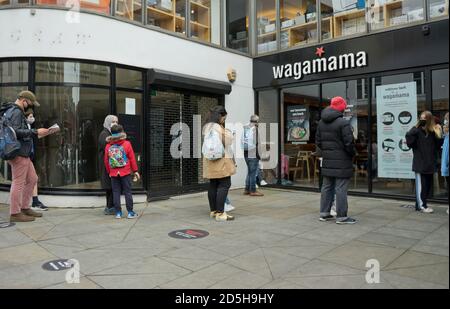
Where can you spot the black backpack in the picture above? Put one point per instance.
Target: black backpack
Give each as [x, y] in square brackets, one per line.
[9, 145]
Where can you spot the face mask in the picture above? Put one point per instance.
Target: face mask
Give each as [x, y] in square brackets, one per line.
[422, 122]
[30, 120]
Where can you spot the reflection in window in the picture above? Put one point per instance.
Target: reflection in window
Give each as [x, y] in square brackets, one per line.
[266, 26]
[129, 9]
[237, 24]
[13, 72]
[298, 22]
[348, 17]
[437, 8]
[72, 72]
[69, 159]
[131, 79]
[386, 13]
[101, 6]
[205, 20]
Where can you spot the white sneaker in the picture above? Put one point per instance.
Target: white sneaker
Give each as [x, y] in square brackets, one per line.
[264, 183]
[257, 187]
[229, 207]
[333, 211]
[427, 210]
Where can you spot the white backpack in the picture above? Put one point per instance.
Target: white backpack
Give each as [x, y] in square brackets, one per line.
[248, 138]
[212, 148]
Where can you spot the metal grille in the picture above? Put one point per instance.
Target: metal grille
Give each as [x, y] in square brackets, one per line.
[168, 175]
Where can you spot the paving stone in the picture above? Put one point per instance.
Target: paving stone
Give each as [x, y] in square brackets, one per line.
[388, 240]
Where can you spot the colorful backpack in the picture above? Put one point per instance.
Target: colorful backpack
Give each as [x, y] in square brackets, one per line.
[117, 156]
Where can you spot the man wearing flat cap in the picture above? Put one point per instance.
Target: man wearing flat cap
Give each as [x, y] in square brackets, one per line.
[24, 176]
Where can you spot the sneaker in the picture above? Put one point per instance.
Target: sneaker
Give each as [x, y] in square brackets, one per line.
[427, 210]
[264, 183]
[213, 214]
[31, 213]
[39, 207]
[327, 218]
[109, 211]
[256, 194]
[347, 221]
[224, 217]
[132, 215]
[333, 211]
[21, 217]
[229, 207]
[119, 215]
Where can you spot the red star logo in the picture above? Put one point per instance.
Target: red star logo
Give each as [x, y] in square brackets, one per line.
[320, 51]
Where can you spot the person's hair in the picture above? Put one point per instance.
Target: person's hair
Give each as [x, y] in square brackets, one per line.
[117, 128]
[28, 112]
[215, 114]
[430, 123]
[254, 118]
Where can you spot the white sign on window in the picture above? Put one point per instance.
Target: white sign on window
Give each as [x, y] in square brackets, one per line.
[396, 115]
[130, 106]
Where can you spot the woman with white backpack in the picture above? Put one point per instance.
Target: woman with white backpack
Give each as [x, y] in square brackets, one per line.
[218, 161]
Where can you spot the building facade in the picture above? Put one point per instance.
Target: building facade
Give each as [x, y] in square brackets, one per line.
[156, 63]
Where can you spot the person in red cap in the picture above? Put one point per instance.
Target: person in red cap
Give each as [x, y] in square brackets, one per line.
[334, 140]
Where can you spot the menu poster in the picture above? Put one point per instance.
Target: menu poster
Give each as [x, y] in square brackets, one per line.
[396, 115]
[297, 120]
[350, 115]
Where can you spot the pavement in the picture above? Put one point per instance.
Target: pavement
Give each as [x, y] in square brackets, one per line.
[276, 242]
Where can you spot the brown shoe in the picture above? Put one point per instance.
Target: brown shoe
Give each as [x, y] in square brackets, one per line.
[20, 217]
[256, 194]
[31, 213]
[246, 193]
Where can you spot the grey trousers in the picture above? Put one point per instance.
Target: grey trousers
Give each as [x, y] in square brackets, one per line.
[330, 186]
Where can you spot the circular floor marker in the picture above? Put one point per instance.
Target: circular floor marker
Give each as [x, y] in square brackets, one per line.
[57, 265]
[4, 225]
[188, 234]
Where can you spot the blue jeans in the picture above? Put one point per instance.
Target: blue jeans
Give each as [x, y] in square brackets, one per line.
[122, 185]
[252, 166]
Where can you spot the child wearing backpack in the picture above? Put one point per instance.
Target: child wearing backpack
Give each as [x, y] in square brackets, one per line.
[120, 163]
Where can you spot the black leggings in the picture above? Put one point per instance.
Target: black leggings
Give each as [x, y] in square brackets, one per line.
[424, 183]
[217, 193]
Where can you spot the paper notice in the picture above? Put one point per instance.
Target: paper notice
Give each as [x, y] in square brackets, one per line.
[130, 106]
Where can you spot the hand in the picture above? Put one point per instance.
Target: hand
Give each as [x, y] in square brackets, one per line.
[136, 176]
[42, 132]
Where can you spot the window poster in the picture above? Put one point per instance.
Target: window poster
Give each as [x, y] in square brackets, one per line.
[396, 115]
[297, 120]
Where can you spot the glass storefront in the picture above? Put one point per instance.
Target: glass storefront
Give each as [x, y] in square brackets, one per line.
[76, 96]
[266, 26]
[385, 13]
[298, 22]
[100, 6]
[129, 9]
[383, 163]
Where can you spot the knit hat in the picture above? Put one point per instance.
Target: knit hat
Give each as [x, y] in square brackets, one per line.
[339, 104]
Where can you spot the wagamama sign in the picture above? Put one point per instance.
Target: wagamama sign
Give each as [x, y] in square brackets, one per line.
[334, 63]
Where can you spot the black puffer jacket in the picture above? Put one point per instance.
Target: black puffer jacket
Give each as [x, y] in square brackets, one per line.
[18, 122]
[105, 180]
[425, 149]
[334, 137]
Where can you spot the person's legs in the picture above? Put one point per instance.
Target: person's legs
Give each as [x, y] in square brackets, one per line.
[247, 179]
[212, 194]
[427, 180]
[116, 190]
[19, 172]
[326, 196]
[341, 198]
[126, 189]
[30, 184]
[109, 199]
[223, 187]
[252, 170]
[419, 202]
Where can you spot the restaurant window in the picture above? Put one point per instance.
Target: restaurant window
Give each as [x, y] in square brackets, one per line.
[387, 13]
[13, 72]
[205, 20]
[268, 128]
[237, 18]
[266, 26]
[129, 9]
[298, 22]
[299, 119]
[397, 101]
[344, 17]
[167, 14]
[355, 92]
[439, 79]
[100, 6]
